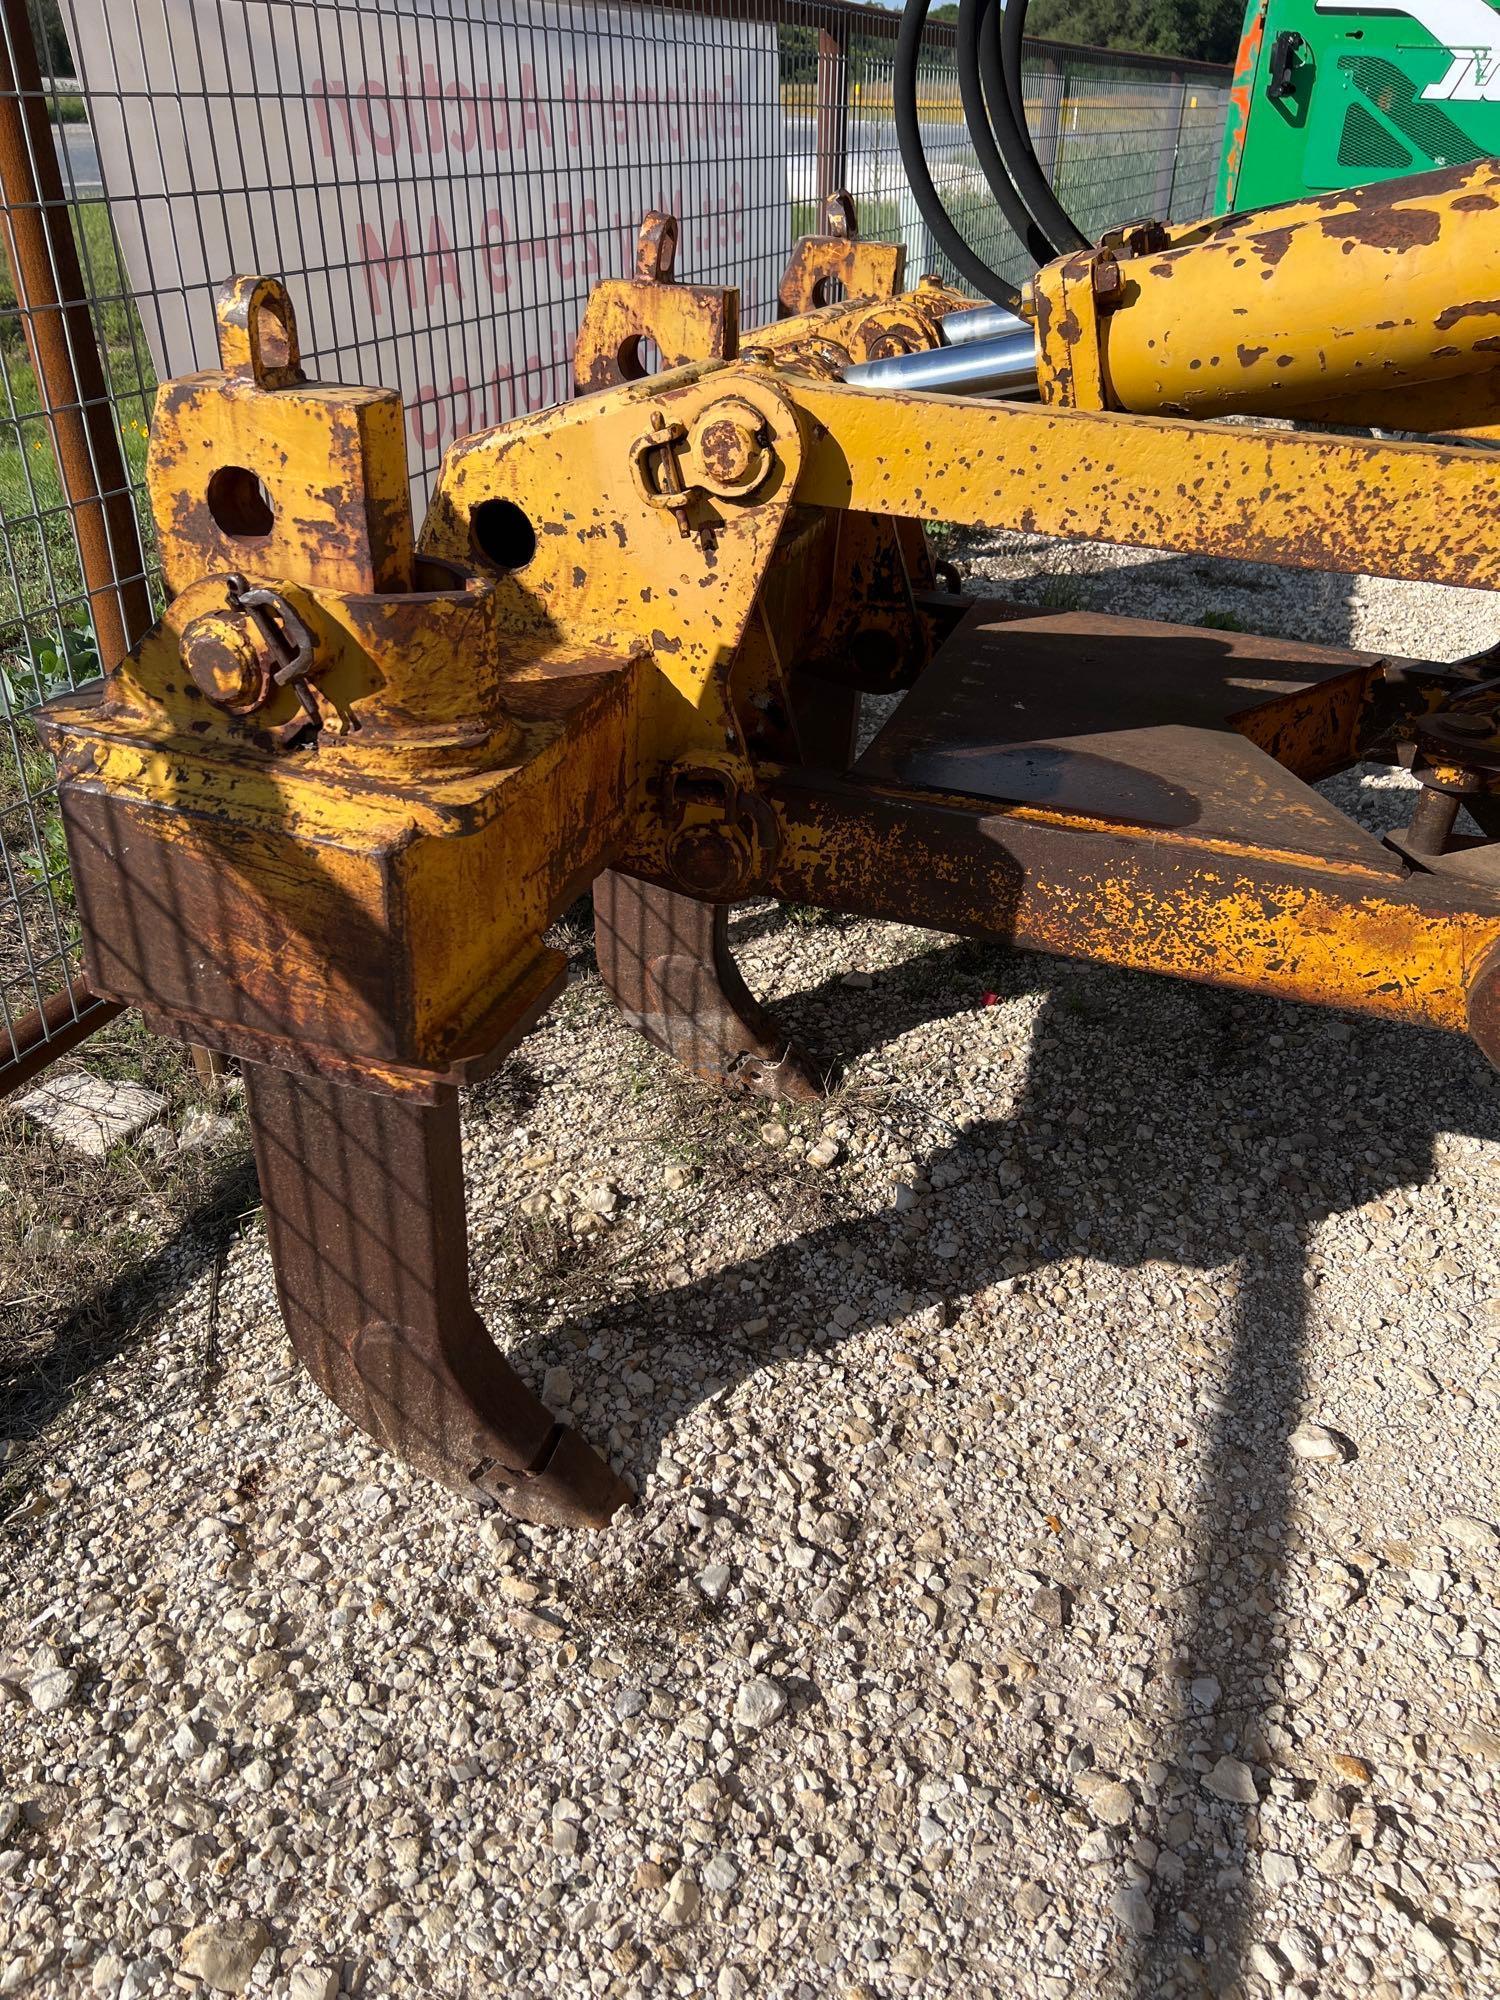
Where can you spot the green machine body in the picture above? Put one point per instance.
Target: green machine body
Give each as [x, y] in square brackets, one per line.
[1336, 93]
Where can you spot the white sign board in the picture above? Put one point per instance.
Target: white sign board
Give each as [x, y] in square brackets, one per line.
[439, 186]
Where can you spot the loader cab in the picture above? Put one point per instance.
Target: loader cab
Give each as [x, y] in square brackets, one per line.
[1335, 93]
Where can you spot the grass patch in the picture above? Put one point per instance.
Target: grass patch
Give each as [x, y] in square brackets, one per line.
[37, 916]
[42, 606]
[1061, 593]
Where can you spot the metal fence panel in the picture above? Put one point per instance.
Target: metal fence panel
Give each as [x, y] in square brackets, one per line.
[208, 129]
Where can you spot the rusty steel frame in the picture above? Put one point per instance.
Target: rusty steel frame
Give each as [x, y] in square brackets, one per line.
[1421, 952]
[328, 807]
[64, 1020]
[663, 953]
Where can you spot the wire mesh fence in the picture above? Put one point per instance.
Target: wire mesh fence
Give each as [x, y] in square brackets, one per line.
[1119, 137]
[440, 183]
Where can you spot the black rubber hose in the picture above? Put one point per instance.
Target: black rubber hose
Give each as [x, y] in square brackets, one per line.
[1007, 109]
[973, 17]
[964, 259]
[991, 63]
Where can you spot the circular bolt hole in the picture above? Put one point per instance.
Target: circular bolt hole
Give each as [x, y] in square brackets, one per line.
[503, 534]
[638, 357]
[239, 503]
[828, 291]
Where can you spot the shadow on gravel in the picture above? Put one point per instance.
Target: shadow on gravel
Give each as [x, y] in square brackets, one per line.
[1217, 1131]
[109, 1322]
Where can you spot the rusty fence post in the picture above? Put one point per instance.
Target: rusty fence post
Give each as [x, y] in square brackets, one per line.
[49, 1031]
[65, 353]
[833, 107]
[75, 398]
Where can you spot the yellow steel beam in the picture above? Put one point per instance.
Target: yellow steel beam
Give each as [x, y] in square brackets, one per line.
[1423, 511]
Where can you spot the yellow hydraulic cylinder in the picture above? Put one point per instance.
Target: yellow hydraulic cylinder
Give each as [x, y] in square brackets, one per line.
[1376, 289]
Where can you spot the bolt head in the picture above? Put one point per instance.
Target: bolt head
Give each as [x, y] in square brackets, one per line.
[1108, 279]
[225, 663]
[731, 454]
[731, 448]
[709, 860]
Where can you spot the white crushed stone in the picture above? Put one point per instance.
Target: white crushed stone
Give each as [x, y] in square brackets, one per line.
[1315, 1441]
[977, 1633]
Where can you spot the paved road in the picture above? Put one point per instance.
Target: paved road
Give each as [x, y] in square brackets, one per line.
[79, 157]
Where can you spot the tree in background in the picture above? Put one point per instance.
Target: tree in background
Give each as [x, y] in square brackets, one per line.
[52, 49]
[1207, 29]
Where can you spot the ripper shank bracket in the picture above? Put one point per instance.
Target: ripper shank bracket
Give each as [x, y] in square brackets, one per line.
[322, 816]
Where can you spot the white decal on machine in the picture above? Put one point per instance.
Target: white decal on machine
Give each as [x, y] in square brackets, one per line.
[1468, 29]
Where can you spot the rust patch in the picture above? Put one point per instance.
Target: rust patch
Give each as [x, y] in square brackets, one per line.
[1474, 309]
[724, 447]
[1271, 245]
[1250, 355]
[1385, 226]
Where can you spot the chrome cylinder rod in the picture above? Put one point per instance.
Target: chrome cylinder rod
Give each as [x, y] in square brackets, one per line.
[979, 323]
[1003, 367]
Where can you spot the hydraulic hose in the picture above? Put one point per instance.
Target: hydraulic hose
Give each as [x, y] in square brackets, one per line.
[1009, 113]
[973, 17]
[988, 41]
[964, 259]
[991, 65]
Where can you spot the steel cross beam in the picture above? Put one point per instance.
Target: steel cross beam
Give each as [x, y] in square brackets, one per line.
[1399, 508]
[1420, 950]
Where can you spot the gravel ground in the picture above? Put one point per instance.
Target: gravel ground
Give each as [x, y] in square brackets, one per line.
[1065, 1560]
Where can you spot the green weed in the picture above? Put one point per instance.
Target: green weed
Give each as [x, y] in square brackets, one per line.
[1061, 593]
